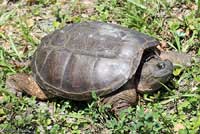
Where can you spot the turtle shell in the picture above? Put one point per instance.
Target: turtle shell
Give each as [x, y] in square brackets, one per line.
[90, 56]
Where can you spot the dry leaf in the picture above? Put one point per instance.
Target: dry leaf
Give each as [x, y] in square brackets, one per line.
[178, 127]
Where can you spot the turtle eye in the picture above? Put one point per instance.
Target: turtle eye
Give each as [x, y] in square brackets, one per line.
[161, 65]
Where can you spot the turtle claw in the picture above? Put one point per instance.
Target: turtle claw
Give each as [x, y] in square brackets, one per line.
[121, 101]
[118, 107]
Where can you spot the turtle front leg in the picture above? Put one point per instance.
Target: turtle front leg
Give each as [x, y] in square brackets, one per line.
[25, 83]
[121, 100]
[179, 58]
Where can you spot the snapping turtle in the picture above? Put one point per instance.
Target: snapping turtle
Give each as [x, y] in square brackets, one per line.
[113, 61]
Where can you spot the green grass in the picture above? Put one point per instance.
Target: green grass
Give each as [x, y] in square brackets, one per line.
[175, 106]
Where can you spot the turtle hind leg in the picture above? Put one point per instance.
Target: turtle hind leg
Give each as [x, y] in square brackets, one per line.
[121, 100]
[19, 83]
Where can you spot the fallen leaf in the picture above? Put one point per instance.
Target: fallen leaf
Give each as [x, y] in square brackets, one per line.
[178, 127]
[2, 118]
[19, 64]
[1, 98]
[88, 5]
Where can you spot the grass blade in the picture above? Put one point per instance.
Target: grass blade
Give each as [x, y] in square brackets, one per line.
[14, 47]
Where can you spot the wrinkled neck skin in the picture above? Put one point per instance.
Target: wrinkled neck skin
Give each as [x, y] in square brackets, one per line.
[179, 58]
[152, 73]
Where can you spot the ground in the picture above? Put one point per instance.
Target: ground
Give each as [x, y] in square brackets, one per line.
[173, 109]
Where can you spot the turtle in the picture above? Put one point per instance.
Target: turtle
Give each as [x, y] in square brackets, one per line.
[114, 62]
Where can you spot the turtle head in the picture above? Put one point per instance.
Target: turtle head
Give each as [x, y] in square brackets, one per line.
[152, 74]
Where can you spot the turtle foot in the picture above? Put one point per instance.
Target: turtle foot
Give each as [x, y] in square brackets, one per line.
[121, 100]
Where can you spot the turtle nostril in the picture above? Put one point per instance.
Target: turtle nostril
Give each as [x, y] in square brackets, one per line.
[161, 65]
